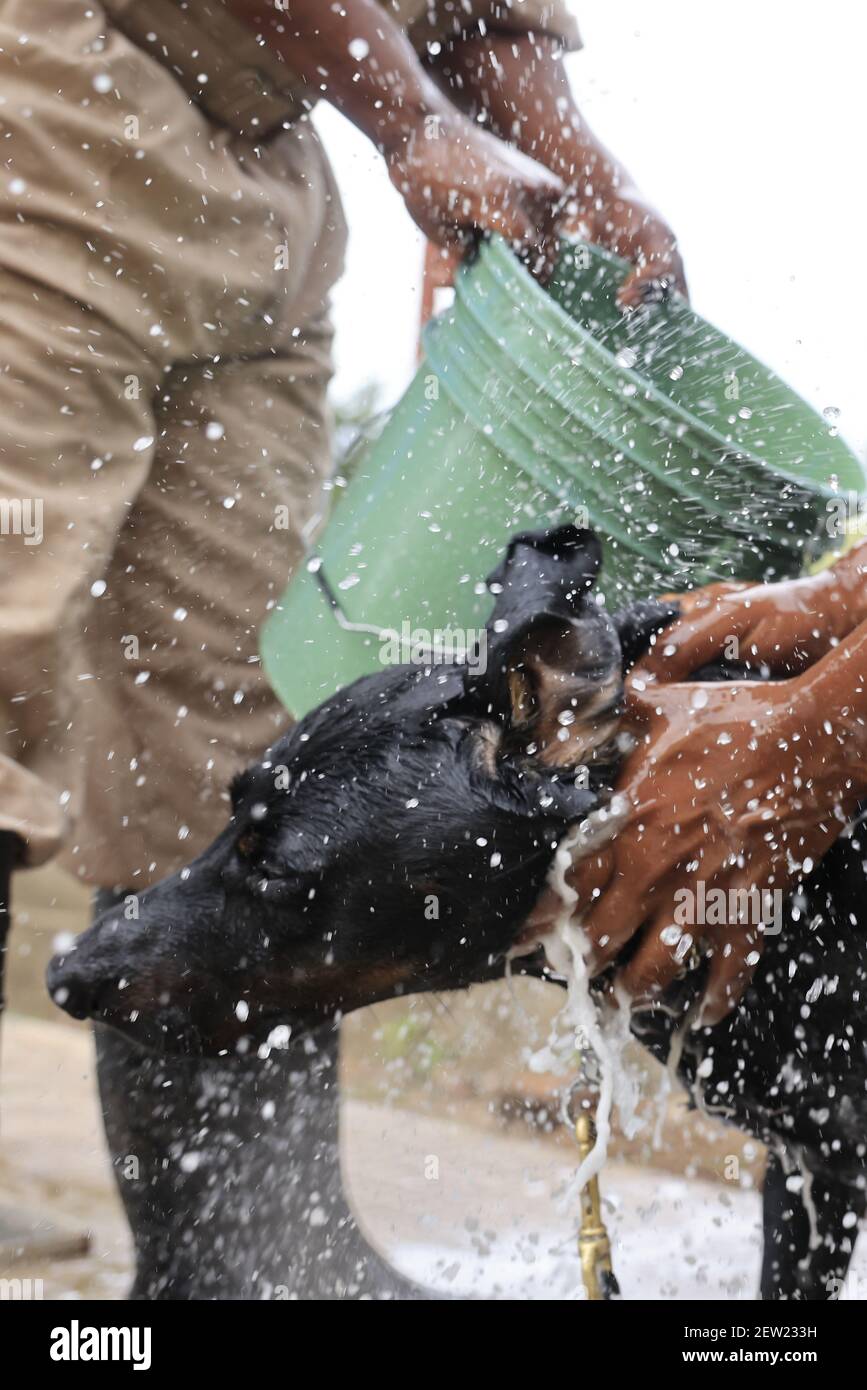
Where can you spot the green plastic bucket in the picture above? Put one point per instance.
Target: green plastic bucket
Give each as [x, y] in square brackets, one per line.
[701, 380]
[533, 408]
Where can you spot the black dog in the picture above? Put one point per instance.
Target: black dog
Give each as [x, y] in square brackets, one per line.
[392, 842]
[397, 838]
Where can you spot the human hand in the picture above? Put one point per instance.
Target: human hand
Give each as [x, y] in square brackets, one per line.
[741, 787]
[518, 84]
[784, 627]
[626, 224]
[456, 179]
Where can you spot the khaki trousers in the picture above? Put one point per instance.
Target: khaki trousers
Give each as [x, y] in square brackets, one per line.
[164, 358]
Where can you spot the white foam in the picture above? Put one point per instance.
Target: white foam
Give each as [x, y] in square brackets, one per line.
[594, 1023]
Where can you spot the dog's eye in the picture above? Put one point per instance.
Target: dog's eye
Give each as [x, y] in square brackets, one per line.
[259, 861]
[249, 844]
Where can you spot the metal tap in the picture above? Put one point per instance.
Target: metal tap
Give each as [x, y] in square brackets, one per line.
[594, 1246]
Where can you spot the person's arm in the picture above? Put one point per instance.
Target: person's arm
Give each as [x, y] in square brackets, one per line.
[517, 84]
[455, 177]
[734, 786]
[834, 708]
[784, 627]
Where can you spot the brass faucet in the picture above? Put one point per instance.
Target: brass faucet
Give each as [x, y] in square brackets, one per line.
[594, 1246]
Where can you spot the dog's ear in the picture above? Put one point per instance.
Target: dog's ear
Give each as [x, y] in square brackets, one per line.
[544, 572]
[638, 622]
[552, 660]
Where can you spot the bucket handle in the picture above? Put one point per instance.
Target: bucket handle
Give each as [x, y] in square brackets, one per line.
[432, 649]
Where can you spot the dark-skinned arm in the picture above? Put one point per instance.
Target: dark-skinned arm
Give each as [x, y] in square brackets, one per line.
[741, 787]
[454, 177]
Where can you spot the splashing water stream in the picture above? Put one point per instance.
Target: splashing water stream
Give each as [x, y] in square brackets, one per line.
[594, 1025]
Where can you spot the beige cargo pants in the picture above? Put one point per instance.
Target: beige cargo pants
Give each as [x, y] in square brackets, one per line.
[164, 356]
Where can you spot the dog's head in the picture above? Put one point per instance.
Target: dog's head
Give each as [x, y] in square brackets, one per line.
[391, 842]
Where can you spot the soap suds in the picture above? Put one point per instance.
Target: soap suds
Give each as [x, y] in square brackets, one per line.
[589, 1022]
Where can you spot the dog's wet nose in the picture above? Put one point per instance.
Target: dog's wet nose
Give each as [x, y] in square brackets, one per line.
[72, 985]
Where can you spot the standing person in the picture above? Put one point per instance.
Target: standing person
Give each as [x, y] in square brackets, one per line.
[170, 232]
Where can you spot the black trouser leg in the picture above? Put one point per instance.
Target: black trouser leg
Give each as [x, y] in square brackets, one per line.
[790, 1268]
[229, 1171]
